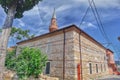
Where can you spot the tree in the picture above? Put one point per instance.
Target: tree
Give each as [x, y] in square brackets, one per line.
[19, 34]
[13, 9]
[30, 62]
[10, 59]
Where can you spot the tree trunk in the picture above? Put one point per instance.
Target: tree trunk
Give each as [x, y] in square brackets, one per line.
[5, 37]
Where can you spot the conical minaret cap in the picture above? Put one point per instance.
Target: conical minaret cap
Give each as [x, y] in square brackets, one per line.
[54, 14]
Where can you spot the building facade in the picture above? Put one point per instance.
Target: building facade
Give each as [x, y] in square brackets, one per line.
[72, 54]
[68, 49]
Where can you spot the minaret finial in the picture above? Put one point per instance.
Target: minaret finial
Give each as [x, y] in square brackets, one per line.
[54, 14]
[53, 25]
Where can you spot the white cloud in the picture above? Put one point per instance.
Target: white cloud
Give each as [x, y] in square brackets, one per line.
[91, 25]
[46, 7]
[62, 8]
[42, 12]
[31, 12]
[86, 25]
[42, 31]
[21, 23]
[101, 3]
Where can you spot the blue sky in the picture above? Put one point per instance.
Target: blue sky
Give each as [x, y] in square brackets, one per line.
[71, 12]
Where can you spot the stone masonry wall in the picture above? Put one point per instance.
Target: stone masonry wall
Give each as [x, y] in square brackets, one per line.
[53, 47]
[91, 53]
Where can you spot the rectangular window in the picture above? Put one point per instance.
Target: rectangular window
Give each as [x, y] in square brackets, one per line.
[90, 68]
[47, 71]
[96, 68]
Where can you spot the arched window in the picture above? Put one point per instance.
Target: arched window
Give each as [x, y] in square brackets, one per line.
[47, 71]
[96, 68]
[90, 68]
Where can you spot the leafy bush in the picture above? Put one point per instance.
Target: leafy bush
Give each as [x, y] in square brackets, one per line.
[30, 62]
[10, 60]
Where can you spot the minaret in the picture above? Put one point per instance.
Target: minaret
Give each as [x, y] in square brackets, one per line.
[53, 25]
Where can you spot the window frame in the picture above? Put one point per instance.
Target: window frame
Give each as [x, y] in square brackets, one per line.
[96, 68]
[47, 72]
[90, 68]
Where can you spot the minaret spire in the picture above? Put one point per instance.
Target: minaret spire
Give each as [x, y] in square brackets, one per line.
[54, 14]
[53, 25]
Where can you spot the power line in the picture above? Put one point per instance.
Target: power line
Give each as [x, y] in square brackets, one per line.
[102, 28]
[100, 24]
[84, 15]
[100, 21]
[90, 6]
[96, 19]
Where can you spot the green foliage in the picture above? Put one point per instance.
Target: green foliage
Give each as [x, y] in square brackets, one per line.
[22, 6]
[10, 60]
[19, 33]
[30, 62]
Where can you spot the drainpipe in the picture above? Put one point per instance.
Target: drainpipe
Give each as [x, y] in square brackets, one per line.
[80, 55]
[64, 55]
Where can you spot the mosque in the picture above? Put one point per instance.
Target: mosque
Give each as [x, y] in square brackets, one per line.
[72, 53]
